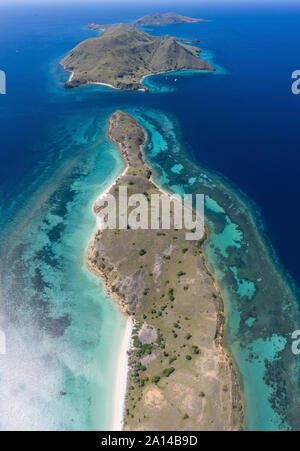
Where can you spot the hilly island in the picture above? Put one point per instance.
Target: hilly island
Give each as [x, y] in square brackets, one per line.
[180, 375]
[122, 56]
[164, 19]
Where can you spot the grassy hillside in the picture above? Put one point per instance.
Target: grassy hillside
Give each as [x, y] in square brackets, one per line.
[122, 55]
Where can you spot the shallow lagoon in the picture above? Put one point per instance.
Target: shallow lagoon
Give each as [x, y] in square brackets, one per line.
[257, 333]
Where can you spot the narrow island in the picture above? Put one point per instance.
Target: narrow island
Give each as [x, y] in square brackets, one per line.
[164, 19]
[180, 377]
[122, 56]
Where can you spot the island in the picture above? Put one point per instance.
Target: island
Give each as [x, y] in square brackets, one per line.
[122, 56]
[181, 377]
[164, 19]
[153, 20]
[95, 27]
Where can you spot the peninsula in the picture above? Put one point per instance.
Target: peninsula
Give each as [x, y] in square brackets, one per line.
[122, 56]
[180, 375]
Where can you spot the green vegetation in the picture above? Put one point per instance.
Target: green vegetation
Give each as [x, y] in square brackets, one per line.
[180, 323]
[159, 339]
[171, 294]
[195, 350]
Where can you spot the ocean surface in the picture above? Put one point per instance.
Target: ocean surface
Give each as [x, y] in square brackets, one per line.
[232, 135]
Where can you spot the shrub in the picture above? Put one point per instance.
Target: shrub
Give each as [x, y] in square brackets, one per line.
[141, 367]
[181, 273]
[167, 371]
[188, 357]
[159, 339]
[155, 379]
[136, 342]
[142, 252]
[171, 294]
[146, 348]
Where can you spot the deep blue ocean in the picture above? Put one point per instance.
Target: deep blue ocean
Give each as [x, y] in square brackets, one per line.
[241, 123]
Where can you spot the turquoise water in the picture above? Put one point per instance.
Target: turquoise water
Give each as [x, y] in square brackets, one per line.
[68, 363]
[258, 337]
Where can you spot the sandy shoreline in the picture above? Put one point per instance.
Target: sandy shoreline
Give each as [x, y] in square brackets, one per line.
[102, 84]
[71, 77]
[143, 89]
[141, 81]
[122, 370]
[104, 194]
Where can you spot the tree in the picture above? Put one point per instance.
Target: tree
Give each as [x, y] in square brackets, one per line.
[167, 371]
[155, 379]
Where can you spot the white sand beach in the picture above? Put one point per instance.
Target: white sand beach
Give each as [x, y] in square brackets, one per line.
[71, 77]
[122, 360]
[122, 378]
